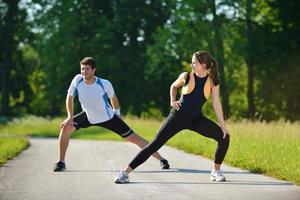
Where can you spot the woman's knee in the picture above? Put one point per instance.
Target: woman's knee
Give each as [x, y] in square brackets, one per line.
[225, 140]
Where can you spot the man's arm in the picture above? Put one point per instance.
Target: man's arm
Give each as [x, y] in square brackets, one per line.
[70, 111]
[115, 104]
[70, 106]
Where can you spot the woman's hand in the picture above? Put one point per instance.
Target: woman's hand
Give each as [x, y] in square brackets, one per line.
[176, 105]
[225, 132]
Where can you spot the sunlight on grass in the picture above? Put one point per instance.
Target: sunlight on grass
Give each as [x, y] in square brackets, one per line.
[268, 148]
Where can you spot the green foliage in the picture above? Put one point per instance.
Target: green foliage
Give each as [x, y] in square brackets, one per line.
[152, 113]
[10, 147]
[143, 46]
[32, 126]
[172, 50]
[115, 33]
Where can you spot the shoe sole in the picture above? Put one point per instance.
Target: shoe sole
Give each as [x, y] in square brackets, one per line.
[166, 167]
[61, 170]
[214, 179]
[120, 182]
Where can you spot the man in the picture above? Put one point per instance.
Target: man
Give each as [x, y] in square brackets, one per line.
[94, 95]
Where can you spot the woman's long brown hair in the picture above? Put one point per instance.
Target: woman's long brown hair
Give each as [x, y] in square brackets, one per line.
[211, 65]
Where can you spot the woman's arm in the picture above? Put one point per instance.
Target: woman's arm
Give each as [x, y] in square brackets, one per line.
[173, 91]
[218, 109]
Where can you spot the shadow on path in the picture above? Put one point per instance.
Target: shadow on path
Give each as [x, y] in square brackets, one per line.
[172, 170]
[213, 182]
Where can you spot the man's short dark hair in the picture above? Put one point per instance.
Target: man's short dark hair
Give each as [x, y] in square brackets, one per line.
[88, 61]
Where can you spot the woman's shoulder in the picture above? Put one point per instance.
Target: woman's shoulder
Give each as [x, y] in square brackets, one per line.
[183, 75]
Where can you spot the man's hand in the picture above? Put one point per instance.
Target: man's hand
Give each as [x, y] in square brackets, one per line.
[67, 122]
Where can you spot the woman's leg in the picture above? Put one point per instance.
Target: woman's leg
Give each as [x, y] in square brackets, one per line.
[169, 128]
[117, 125]
[141, 142]
[210, 129]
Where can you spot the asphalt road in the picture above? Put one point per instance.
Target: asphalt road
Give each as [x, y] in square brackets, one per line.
[93, 165]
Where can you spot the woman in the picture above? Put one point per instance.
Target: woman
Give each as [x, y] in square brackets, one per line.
[198, 85]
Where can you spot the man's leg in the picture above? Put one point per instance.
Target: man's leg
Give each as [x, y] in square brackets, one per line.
[64, 138]
[79, 121]
[141, 142]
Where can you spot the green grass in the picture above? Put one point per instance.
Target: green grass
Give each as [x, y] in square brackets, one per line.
[272, 149]
[32, 126]
[10, 147]
[269, 148]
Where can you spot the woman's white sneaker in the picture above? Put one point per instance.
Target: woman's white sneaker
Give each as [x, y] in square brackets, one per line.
[217, 175]
[122, 177]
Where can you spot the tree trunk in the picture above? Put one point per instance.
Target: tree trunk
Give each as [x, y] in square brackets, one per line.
[221, 60]
[250, 60]
[54, 92]
[9, 46]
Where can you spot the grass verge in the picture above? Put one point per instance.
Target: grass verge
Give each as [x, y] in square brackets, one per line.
[10, 147]
[268, 148]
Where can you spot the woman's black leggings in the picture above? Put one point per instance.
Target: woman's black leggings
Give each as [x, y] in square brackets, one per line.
[175, 123]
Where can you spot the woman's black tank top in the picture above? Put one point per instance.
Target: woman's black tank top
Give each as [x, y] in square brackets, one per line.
[191, 104]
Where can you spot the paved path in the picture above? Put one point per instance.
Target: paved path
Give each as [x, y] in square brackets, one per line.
[92, 166]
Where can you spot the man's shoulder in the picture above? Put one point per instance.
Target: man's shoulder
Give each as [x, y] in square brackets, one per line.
[77, 79]
[104, 81]
[78, 76]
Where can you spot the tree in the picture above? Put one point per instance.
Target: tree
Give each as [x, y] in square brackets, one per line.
[115, 33]
[10, 21]
[219, 50]
[190, 27]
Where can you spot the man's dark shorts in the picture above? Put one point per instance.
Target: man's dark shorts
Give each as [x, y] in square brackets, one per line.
[115, 124]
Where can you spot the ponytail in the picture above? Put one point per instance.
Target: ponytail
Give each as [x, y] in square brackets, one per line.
[214, 73]
[211, 65]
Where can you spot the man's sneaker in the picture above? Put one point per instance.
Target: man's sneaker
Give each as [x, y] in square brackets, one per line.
[217, 175]
[60, 166]
[164, 164]
[122, 177]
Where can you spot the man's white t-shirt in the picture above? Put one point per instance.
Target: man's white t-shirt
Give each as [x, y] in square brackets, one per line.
[93, 98]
